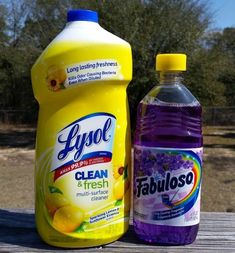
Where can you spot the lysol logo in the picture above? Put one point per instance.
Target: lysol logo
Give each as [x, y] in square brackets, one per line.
[82, 140]
[89, 135]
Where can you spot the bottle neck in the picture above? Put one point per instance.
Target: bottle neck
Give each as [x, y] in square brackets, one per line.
[170, 78]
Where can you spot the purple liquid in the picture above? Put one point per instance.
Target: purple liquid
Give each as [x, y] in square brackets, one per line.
[173, 127]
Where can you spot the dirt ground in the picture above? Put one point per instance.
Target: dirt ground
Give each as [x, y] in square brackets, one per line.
[17, 165]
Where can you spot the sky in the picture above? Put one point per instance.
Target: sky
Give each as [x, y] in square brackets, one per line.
[223, 12]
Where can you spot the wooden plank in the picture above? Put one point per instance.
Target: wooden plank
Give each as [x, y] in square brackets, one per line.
[18, 234]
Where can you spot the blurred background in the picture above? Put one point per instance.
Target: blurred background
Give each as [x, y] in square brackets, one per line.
[204, 30]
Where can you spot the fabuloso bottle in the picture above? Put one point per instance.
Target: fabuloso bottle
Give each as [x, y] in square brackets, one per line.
[83, 137]
[167, 159]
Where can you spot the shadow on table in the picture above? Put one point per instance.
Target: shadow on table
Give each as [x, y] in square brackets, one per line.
[18, 229]
[223, 135]
[221, 138]
[18, 138]
[225, 146]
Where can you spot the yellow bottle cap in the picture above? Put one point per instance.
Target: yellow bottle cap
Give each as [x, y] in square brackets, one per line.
[171, 62]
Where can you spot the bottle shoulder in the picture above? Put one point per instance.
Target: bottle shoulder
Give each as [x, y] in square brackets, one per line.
[84, 36]
[88, 32]
[171, 95]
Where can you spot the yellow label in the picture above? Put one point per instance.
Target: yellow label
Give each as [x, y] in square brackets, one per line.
[83, 144]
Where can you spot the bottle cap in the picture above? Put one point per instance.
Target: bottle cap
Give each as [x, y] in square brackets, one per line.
[82, 15]
[171, 62]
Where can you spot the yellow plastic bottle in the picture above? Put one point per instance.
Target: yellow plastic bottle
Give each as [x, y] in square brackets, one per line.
[82, 172]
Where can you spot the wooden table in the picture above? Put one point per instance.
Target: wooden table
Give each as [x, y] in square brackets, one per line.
[18, 234]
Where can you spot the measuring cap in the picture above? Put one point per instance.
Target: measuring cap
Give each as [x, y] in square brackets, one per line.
[82, 15]
[171, 62]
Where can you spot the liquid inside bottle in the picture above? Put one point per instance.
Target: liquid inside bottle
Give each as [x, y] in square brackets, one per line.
[167, 160]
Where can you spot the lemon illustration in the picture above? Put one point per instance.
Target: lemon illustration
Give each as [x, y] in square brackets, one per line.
[68, 218]
[120, 187]
[55, 201]
[55, 77]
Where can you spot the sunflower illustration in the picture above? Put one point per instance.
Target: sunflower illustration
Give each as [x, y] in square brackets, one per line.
[56, 77]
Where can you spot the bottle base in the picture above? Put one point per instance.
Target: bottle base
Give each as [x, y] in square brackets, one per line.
[82, 243]
[165, 235]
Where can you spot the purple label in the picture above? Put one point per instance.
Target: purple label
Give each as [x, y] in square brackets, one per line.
[167, 185]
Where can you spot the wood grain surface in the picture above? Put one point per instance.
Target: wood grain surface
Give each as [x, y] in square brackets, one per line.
[18, 234]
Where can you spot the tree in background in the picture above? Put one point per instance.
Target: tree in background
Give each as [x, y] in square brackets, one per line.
[151, 27]
[223, 43]
[16, 92]
[4, 66]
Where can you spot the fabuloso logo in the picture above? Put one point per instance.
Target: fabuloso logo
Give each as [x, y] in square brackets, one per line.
[148, 185]
[86, 141]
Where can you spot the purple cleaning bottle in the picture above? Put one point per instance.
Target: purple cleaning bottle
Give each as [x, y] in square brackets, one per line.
[168, 159]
